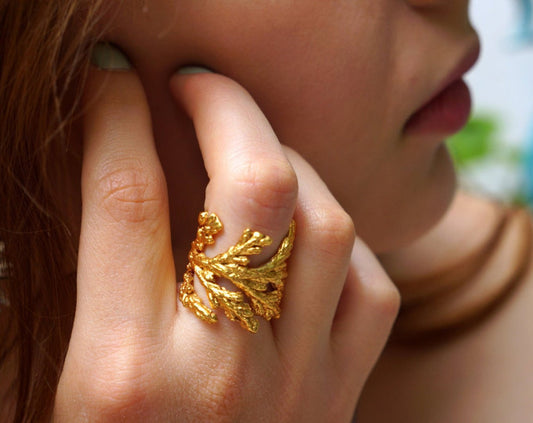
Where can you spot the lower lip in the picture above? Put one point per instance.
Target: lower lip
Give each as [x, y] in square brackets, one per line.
[445, 114]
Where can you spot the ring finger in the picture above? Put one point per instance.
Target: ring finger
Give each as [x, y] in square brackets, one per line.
[320, 262]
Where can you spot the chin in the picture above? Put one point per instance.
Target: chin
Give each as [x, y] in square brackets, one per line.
[406, 216]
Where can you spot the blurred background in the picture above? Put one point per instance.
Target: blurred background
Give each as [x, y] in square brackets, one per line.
[494, 153]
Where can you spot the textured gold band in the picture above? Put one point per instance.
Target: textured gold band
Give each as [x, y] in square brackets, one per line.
[262, 285]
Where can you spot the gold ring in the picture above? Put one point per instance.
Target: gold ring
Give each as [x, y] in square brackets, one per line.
[262, 285]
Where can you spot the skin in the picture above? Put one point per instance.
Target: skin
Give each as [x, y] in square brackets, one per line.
[472, 375]
[307, 122]
[133, 354]
[337, 81]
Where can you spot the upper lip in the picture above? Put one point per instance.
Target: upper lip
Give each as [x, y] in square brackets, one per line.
[463, 66]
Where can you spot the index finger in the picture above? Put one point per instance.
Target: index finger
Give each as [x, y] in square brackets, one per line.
[125, 264]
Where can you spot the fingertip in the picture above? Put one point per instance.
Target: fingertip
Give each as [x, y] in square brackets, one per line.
[115, 110]
[185, 73]
[105, 87]
[198, 90]
[189, 86]
[107, 56]
[192, 70]
[108, 61]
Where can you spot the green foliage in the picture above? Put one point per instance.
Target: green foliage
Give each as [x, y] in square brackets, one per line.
[476, 141]
[479, 146]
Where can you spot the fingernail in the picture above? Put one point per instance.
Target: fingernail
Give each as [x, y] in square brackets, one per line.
[190, 70]
[108, 57]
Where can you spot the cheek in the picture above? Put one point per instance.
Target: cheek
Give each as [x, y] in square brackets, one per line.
[330, 103]
[338, 122]
[324, 75]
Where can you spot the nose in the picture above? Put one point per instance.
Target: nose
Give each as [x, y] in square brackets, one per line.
[425, 3]
[454, 12]
[432, 3]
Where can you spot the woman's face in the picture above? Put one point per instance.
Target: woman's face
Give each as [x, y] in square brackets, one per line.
[337, 79]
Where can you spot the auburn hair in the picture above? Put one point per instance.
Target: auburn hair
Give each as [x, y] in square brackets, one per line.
[44, 50]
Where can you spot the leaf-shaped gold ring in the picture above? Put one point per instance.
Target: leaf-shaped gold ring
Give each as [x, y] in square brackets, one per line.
[260, 289]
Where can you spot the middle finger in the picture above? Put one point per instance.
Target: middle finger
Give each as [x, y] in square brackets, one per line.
[252, 184]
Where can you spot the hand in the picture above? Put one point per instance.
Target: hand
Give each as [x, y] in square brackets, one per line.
[135, 354]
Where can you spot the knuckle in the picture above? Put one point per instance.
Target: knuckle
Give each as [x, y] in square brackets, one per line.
[131, 192]
[108, 397]
[116, 387]
[222, 398]
[333, 229]
[265, 187]
[385, 299]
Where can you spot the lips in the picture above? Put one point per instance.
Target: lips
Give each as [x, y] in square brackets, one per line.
[445, 114]
[449, 109]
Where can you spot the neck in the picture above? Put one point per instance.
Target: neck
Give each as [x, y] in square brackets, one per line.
[462, 268]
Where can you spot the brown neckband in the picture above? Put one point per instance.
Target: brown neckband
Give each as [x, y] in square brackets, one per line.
[472, 289]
